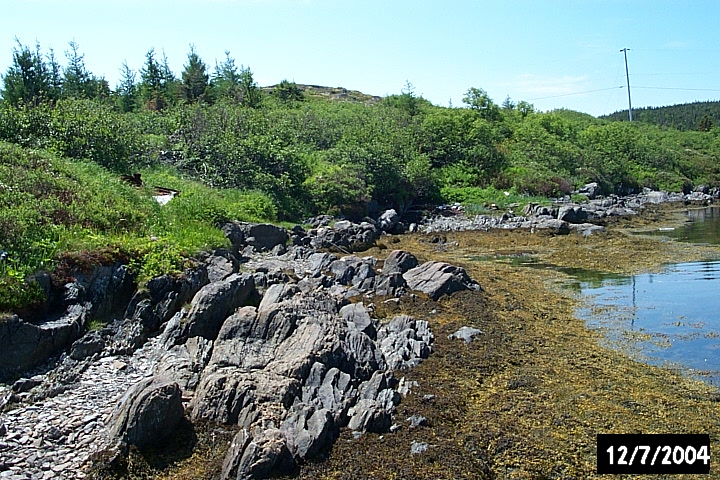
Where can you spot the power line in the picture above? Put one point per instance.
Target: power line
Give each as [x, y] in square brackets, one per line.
[684, 89]
[663, 74]
[577, 93]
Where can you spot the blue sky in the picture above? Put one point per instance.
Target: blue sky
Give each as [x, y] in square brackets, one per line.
[544, 52]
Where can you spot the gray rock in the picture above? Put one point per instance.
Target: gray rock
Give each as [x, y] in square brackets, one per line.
[235, 233]
[350, 238]
[331, 390]
[364, 275]
[438, 278]
[388, 220]
[362, 357]
[552, 225]
[277, 293]
[162, 298]
[342, 271]
[25, 345]
[587, 229]
[374, 416]
[392, 284]
[358, 318]
[341, 225]
[465, 333]
[418, 447]
[307, 430]
[262, 237]
[23, 385]
[572, 214]
[399, 261]
[148, 413]
[214, 302]
[416, 421]
[591, 190]
[258, 456]
[320, 262]
[405, 342]
[184, 363]
[405, 386]
[656, 197]
[370, 389]
[87, 346]
[220, 265]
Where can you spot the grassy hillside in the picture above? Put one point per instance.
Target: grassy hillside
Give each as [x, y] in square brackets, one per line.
[53, 208]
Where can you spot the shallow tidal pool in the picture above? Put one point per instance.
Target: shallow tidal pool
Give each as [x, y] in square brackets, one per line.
[670, 318]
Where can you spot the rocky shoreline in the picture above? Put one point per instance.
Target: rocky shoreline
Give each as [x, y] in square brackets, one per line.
[281, 346]
[278, 341]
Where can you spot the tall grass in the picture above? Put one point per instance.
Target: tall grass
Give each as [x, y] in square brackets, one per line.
[50, 207]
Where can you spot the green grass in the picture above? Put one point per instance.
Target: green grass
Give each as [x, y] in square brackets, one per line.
[52, 208]
[478, 200]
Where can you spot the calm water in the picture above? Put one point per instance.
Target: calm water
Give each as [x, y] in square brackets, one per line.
[671, 318]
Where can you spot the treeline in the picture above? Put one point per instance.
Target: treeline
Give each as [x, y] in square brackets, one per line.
[699, 116]
[35, 78]
[311, 155]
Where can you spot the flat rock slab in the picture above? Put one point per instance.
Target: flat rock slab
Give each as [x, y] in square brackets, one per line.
[438, 278]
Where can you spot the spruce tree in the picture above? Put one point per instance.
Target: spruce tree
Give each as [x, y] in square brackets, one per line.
[195, 78]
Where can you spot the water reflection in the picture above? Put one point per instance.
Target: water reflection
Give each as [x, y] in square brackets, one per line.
[668, 318]
[703, 226]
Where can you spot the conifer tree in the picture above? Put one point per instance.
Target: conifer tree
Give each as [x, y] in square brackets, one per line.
[127, 89]
[195, 79]
[28, 80]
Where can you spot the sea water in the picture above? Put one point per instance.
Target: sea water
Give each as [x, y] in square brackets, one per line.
[670, 318]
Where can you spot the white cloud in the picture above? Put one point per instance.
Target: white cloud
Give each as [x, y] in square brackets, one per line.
[530, 85]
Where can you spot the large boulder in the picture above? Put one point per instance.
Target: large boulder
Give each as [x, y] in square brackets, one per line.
[214, 302]
[346, 236]
[260, 236]
[148, 413]
[591, 190]
[438, 278]
[572, 214]
[388, 220]
[399, 261]
[258, 455]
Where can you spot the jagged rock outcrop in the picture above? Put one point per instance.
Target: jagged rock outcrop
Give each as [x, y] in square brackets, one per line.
[100, 294]
[296, 369]
[277, 350]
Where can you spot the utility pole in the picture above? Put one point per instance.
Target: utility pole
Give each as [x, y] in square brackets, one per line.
[627, 76]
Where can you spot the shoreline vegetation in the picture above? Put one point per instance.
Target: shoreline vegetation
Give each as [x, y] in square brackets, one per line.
[526, 399]
[283, 153]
